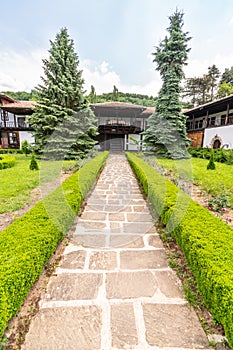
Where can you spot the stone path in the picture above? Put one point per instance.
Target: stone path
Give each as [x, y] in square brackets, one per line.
[113, 288]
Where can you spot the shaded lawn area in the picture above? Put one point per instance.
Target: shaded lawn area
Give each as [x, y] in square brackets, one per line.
[211, 181]
[17, 183]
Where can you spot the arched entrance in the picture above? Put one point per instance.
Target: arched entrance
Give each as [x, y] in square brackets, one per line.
[216, 144]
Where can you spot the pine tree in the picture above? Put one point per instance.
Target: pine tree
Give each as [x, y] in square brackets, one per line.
[62, 121]
[115, 93]
[33, 163]
[214, 74]
[211, 165]
[92, 96]
[227, 76]
[166, 132]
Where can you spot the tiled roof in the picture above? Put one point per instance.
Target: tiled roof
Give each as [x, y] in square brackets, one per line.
[20, 104]
[149, 110]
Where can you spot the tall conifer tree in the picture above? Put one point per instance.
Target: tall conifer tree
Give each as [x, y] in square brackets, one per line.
[63, 123]
[166, 132]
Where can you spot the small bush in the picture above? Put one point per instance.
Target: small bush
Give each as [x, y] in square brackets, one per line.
[28, 243]
[211, 165]
[26, 147]
[11, 151]
[206, 240]
[33, 164]
[6, 162]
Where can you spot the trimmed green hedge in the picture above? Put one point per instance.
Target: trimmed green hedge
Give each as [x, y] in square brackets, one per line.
[6, 162]
[10, 150]
[206, 240]
[220, 155]
[28, 243]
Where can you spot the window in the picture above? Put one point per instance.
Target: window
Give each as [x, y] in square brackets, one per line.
[12, 138]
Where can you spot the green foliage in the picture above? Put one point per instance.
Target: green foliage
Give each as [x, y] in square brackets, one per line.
[219, 203]
[17, 182]
[199, 90]
[11, 151]
[115, 93]
[28, 243]
[211, 165]
[211, 182]
[6, 162]
[166, 133]
[21, 95]
[26, 147]
[207, 242]
[62, 115]
[92, 98]
[220, 155]
[33, 163]
[138, 99]
[225, 89]
[227, 76]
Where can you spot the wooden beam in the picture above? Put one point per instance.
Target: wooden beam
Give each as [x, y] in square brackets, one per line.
[227, 114]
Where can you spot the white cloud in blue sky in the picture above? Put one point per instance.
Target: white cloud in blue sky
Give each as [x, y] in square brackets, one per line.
[113, 38]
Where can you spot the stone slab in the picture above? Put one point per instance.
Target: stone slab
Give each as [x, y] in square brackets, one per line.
[139, 217]
[76, 328]
[103, 260]
[73, 260]
[143, 259]
[116, 217]
[89, 225]
[168, 284]
[95, 215]
[90, 240]
[155, 241]
[138, 227]
[175, 326]
[127, 285]
[83, 286]
[123, 327]
[124, 241]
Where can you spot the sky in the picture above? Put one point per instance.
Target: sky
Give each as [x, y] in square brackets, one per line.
[114, 40]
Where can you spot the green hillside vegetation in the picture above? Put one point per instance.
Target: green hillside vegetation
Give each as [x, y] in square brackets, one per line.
[139, 99]
[21, 95]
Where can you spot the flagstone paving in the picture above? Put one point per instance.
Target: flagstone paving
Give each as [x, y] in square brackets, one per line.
[113, 288]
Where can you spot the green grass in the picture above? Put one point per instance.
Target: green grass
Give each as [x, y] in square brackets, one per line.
[211, 181]
[17, 183]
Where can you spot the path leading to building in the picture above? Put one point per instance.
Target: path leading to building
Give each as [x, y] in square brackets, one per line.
[113, 288]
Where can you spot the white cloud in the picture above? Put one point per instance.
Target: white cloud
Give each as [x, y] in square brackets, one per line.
[22, 71]
[197, 67]
[103, 78]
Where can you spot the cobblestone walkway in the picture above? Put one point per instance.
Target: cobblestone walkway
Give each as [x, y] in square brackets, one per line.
[113, 288]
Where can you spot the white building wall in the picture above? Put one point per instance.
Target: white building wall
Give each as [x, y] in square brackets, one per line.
[225, 133]
[132, 145]
[25, 135]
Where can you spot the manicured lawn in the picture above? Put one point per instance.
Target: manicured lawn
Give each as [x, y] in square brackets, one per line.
[16, 183]
[211, 181]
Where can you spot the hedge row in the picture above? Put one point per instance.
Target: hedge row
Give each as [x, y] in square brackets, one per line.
[10, 150]
[206, 240]
[28, 243]
[220, 155]
[6, 162]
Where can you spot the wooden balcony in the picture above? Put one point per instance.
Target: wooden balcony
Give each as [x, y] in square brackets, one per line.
[10, 125]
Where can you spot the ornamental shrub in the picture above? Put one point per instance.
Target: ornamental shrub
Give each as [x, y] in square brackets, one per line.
[33, 164]
[211, 164]
[205, 239]
[6, 162]
[28, 243]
